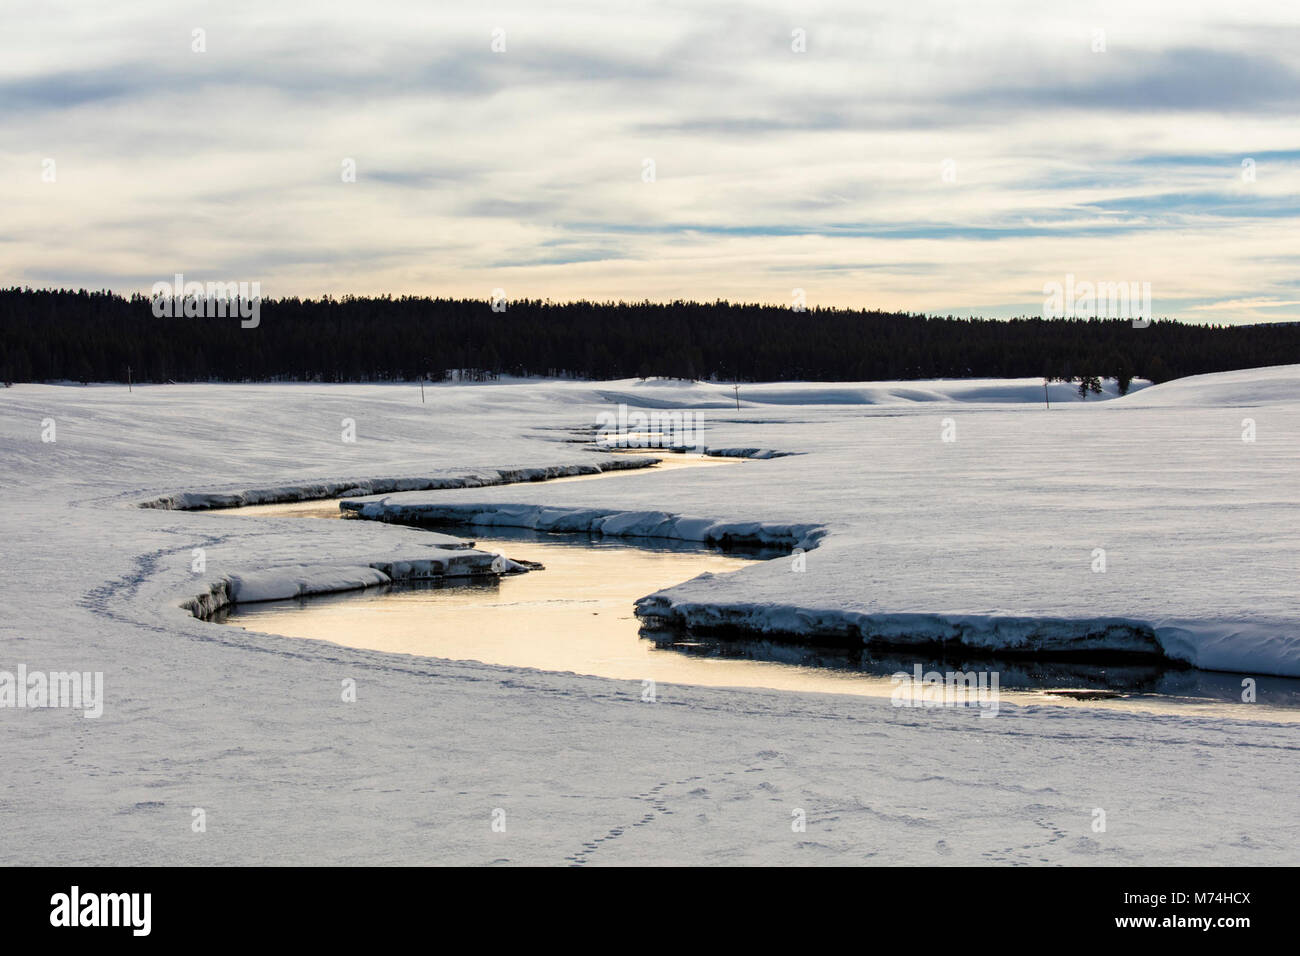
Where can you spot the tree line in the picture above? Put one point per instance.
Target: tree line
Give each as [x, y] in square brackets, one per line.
[80, 335]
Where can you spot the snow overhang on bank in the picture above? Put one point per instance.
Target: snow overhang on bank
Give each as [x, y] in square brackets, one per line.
[638, 524]
[305, 580]
[360, 487]
[986, 634]
[1245, 648]
[701, 450]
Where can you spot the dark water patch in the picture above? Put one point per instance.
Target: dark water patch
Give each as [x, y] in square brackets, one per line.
[1080, 678]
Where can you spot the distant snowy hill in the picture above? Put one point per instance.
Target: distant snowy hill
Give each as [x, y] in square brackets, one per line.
[664, 393]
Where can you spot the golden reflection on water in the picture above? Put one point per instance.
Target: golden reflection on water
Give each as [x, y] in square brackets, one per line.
[576, 615]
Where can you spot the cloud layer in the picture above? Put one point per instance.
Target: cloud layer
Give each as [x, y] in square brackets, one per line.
[918, 156]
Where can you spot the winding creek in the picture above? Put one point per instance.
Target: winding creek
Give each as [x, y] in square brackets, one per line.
[576, 615]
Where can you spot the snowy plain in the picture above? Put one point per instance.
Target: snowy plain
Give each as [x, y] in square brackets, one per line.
[987, 535]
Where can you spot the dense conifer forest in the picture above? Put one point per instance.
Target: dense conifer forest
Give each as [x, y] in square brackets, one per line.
[53, 335]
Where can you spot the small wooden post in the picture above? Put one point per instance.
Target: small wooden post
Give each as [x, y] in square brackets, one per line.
[1046, 397]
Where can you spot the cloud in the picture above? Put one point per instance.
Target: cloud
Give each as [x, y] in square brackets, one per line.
[922, 157]
[1192, 79]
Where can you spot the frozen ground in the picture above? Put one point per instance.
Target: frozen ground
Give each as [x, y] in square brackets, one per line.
[987, 533]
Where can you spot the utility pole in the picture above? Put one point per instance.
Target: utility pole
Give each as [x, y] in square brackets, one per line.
[1046, 397]
[737, 388]
[128, 379]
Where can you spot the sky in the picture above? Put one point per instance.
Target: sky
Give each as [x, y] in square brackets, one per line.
[930, 157]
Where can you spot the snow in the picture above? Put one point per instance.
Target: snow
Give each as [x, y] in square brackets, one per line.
[1256, 386]
[360, 487]
[670, 393]
[300, 581]
[990, 537]
[633, 524]
[303, 580]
